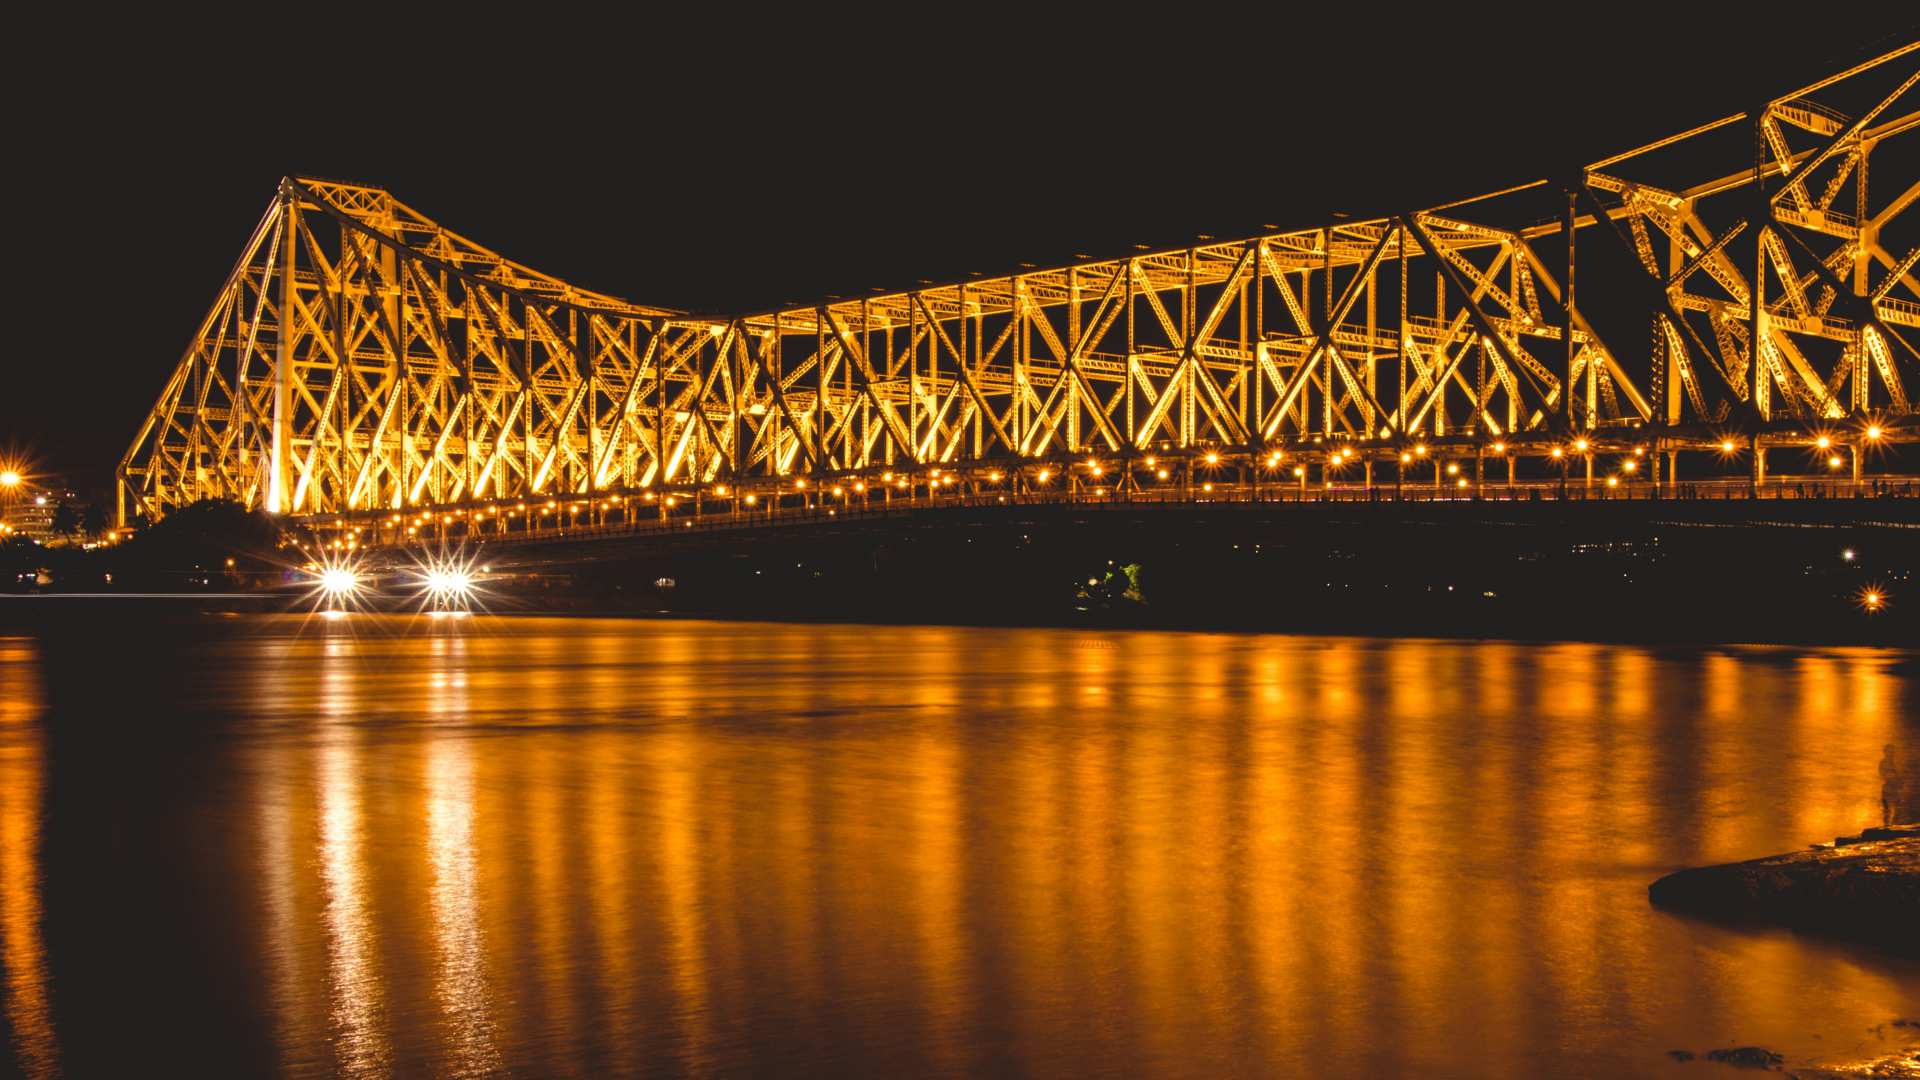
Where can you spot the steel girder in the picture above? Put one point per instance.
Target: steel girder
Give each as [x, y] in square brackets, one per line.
[361, 358]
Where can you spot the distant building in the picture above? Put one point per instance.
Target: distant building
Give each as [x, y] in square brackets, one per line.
[31, 515]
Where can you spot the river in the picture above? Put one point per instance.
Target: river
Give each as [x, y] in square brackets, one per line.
[264, 844]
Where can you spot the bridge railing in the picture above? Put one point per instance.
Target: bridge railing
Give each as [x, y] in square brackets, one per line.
[646, 520]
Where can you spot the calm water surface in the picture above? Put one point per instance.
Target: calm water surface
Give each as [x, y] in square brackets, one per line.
[552, 847]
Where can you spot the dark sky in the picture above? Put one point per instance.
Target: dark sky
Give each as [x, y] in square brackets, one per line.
[733, 167]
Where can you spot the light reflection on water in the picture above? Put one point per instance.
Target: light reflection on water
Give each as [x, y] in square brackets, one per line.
[26, 1017]
[693, 848]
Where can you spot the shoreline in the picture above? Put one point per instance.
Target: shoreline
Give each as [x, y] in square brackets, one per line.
[48, 606]
[1863, 888]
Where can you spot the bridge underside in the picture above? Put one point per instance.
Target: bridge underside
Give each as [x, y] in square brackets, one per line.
[1741, 286]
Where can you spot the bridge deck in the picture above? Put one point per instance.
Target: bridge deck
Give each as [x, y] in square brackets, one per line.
[640, 519]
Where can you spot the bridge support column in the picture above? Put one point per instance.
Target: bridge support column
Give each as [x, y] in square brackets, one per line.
[1758, 477]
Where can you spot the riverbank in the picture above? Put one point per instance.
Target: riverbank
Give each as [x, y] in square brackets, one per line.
[1864, 888]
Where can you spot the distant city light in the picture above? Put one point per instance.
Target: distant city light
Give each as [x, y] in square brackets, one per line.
[1847, 554]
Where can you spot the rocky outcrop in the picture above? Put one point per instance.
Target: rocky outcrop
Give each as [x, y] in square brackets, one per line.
[1864, 887]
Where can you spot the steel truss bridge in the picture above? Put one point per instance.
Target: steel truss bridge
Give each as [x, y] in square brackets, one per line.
[1736, 288]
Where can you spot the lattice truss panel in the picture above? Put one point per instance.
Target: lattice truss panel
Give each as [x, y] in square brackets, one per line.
[362, 357]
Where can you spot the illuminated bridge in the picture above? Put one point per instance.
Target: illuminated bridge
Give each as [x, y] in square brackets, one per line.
[1733, 308]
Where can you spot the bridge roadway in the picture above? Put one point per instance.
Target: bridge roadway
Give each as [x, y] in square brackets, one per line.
[615, 517]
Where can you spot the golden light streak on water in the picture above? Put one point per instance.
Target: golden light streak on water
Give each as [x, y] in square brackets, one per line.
[286, 827]
[460, 984]
[357, 1012]
[23, 957]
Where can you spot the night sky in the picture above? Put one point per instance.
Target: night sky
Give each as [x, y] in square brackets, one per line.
[727, 169]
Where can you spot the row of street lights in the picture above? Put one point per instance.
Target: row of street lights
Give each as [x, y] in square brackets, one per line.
[1098, 475]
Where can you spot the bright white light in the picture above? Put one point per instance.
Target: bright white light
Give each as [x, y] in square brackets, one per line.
[338, 581]
[447, 582]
